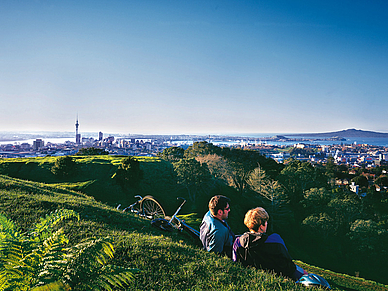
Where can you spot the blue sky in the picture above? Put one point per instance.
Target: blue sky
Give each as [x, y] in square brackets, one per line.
[193, 67]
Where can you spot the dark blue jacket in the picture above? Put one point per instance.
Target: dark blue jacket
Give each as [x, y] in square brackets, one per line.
[264, 251]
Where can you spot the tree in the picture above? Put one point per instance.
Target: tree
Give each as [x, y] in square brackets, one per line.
[382, 181]
[41, 260]
[361, 181]
[64, 167]
[129, 172]
[91, 151]
[217, 165]
[316, 200]
[172, 154]
[271, 190]
[262, 184]
[193, 175]
[330, 170]
[202, 148]
[320, 223]
[240, 165]
[367, 235]
[297, 177]
[345, 210]
[305, 152]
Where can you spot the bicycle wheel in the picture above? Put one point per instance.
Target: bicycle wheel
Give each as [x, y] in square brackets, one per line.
[152, 208]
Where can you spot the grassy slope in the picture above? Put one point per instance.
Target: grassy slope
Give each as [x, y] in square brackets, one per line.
[167, 261]
[93, 178]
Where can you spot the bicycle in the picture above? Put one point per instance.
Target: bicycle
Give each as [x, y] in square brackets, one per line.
[150, 208]
[147, 207]
[174, 222]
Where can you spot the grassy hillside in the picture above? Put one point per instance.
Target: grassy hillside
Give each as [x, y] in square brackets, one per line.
[167, 261]
[94, 178]
[93, 193]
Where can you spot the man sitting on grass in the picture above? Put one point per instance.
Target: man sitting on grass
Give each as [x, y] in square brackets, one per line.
[215, 233]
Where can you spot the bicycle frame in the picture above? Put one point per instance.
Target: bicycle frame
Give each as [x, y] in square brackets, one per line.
[182, 225]
[148, 207]
[131, 207]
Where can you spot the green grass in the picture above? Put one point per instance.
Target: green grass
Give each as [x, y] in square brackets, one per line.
[343, 280]
[94, 176]
[167, 261]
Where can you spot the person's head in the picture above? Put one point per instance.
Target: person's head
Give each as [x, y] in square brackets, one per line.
[256, 219]
[219, 206]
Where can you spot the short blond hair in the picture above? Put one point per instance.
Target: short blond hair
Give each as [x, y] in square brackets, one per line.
[255, 217]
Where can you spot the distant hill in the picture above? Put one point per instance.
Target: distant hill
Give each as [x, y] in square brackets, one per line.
[346, 133]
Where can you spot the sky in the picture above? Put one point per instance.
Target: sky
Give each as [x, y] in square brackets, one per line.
[193, 67]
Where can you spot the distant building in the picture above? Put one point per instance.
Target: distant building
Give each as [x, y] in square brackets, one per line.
[77, 135]
[299, 146]
[100, 136]
[110, 139]
[25, 146]
[354, 188]
[38, 144]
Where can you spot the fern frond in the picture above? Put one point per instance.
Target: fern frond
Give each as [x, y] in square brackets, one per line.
[93, 273]
[17, 263]
[40, 260]
[93, 250]
[115, 276]
[7, 229]
[27, 260]
[53, 219]
[108, 278]
[54, 286]
[56, 239]
[53, 257]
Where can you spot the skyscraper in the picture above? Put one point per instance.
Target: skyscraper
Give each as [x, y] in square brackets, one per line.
[77, 135]
[37, 144]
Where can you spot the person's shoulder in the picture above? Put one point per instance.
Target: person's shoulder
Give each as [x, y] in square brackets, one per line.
[244, 236]
[207, 217]
[210, 220]
[274, 238]
[245, 239]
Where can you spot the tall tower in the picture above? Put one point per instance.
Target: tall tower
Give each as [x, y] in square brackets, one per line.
[77, 135]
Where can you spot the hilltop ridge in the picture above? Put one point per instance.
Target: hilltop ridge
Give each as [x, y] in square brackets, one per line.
[346, 133]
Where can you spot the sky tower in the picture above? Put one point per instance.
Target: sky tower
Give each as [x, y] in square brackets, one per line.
[77, 135]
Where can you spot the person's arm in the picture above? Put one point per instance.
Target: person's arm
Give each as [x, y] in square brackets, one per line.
[217, 240]
[284, 261]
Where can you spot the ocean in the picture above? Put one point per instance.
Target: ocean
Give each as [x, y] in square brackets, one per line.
[370, 141]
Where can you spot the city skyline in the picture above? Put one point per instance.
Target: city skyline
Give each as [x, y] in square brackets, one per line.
[203, 67]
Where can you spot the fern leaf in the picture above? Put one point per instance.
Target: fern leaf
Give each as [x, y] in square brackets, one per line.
[54, 286]
[115, 276]
[53, 219]
[7, 229]
[91, 251]
[53, 257]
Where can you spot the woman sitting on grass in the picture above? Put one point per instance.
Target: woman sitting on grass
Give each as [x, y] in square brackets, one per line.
[256, 248]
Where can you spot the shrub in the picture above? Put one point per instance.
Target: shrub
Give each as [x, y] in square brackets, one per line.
[40, 260]
[64, 167]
